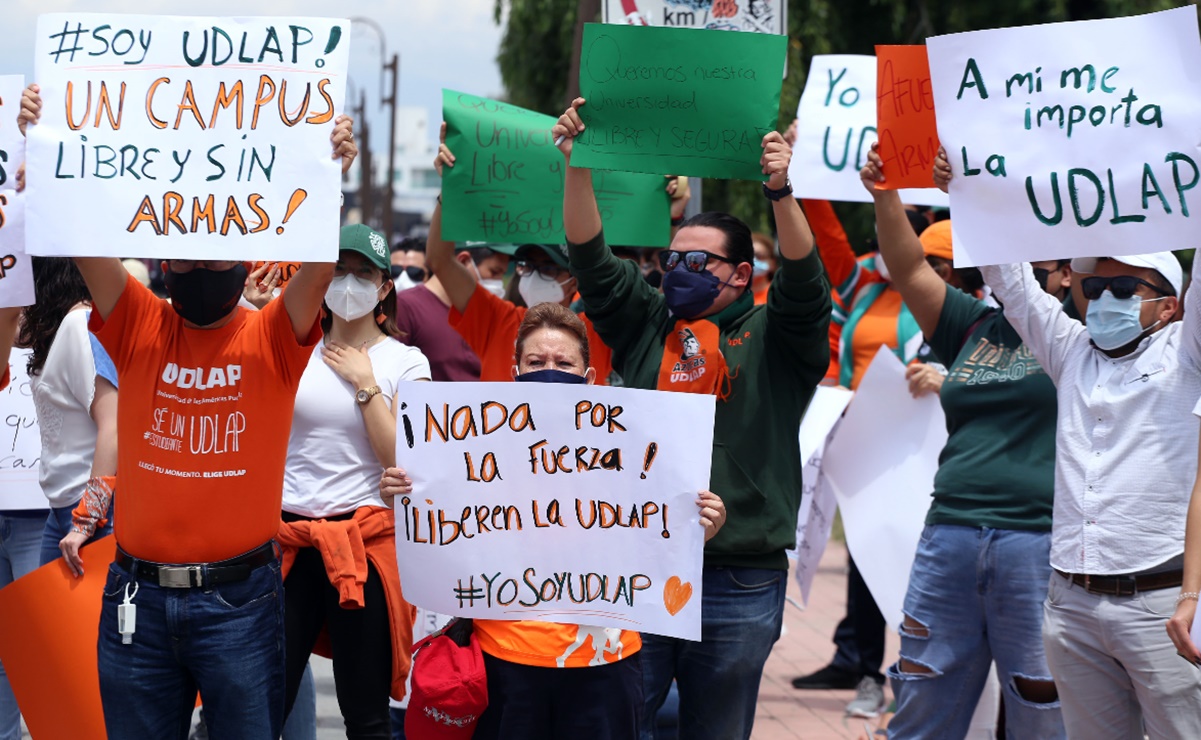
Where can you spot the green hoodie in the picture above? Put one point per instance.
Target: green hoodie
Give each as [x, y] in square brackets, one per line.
[776, 355]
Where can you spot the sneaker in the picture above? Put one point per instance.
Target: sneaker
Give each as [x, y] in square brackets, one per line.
[869, 699]
[830, 677]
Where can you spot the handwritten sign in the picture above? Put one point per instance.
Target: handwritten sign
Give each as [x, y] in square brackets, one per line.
[757, 16]
[678, 101]
[563, 503]
[187, 137]
[905, 117]
[507, 182]
[16, 273]
[20, 440]
[836, 125]
[1072, 139]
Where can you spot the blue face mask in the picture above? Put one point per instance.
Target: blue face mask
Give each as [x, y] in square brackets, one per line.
[760, 267]
[1113, 322]
[690, 294]
[549, 376]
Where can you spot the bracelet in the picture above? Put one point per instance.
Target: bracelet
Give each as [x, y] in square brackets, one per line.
[1188, 596]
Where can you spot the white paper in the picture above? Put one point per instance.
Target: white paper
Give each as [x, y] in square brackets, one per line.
[16, 273]
[823, 413]
[520, 567]
[20, 441]
[760, 16]
[836, 125]
[1153, 57]
[172, 159]
[881, 465]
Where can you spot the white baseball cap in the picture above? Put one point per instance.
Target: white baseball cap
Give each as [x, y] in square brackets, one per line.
[1164, 263]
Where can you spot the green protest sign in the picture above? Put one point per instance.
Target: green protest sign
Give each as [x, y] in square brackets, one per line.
[507, 182]
[685, 101]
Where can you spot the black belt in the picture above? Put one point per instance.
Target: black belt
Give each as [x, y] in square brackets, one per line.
[198, 575]
[1125, 585]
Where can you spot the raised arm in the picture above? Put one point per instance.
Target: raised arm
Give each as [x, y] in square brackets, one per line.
[796, 240]
[458, 281]
[581, 217]
[919, 285]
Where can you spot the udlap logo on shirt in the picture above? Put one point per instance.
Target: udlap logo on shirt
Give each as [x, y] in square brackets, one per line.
[201, 378]
[379, 245]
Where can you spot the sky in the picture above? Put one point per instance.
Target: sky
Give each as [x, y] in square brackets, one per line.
[441, 44]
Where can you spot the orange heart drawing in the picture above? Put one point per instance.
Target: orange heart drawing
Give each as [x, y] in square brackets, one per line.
[676, 595]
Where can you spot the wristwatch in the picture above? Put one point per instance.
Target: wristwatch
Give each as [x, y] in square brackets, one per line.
[778, 195]
[367, 394]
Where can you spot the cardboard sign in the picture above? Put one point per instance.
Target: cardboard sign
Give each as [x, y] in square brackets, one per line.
[20, 440]
[677, 101]
[836, 125]
[905, 122]
[756, 16]
[203, 138]
[1072, 139]
[507, 182]
[16, 273]
[563, 503]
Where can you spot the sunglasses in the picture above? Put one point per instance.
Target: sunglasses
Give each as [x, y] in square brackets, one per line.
[694, 261]
[1122, 286]
[416, 274]
[549, 270]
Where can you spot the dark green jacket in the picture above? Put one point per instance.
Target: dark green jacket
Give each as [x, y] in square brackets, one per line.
[776, 355]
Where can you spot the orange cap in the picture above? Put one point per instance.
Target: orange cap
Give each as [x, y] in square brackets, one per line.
[936, 240]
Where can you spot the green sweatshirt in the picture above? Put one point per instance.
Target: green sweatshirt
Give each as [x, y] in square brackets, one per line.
[776, 355]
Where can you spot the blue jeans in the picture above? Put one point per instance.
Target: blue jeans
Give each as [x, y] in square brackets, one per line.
[226, 641]
[742, 611]
[58, 524]
[978, 595]
[20, 536]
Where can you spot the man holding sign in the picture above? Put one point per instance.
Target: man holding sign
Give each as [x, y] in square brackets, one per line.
[703, 334]
[194, 599]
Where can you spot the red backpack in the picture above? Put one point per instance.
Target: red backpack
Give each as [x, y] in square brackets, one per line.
[450, 686]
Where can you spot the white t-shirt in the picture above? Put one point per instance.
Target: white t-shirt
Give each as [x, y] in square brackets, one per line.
[62, 394]
[331, 467]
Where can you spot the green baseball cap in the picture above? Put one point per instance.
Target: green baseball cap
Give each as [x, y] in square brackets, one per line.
[557, 252]
[366, 241]
[508, 249]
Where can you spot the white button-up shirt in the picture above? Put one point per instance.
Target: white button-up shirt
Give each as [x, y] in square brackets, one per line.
[1126, 444]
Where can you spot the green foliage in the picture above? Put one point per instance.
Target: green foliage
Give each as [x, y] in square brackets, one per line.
[535, 52]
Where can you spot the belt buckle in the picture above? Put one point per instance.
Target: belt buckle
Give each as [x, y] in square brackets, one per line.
[180, 576]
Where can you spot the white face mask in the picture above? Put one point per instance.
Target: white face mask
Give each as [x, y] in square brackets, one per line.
[351, 298]
[535, 289]
[494, 286]
[404, 282]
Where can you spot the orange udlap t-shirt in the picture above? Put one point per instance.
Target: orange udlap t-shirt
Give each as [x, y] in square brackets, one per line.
[489, 326]
[202, 426]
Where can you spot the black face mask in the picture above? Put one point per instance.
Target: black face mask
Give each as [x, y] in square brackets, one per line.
[204, 297]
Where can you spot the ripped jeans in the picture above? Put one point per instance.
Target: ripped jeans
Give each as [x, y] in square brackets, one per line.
[975, 596]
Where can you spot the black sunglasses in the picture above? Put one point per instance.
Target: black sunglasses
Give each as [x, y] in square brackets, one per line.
[1122, 286]
[548, 270]
[694, 261]
[416, 274]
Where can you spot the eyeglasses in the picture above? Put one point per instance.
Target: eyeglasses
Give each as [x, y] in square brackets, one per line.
[189, 265]
[547, 270]
[416, 274]
[1122, 286]
[694, 261]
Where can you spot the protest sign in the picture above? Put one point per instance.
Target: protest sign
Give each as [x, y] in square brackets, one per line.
[836, 125]
[202, 138]
[507, 182]
[758, 16]
[884, 496]
[16, 273]
[1072, 139]
[49, 624]
[677, 101]
[20, 440]
[905, 122]
[564, 503]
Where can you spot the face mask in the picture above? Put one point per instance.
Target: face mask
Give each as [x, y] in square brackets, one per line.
[404, 280]
[1114, 322]
[351, 298]
[535, 289]
[690, 294]
[549, 376]
[494, 286]
[204, 297]
[760, 267]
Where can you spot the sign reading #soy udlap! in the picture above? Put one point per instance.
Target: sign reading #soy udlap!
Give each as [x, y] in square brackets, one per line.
[1072, 139]
[562, 503]
[166, 136]
[507, 182]
[16, 272]
[679, 101]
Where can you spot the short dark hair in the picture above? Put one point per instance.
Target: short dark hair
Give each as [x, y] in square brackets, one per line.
[739, 246]
[410, 244]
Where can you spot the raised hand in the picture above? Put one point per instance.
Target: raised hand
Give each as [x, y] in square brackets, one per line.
[775, 160]
[873, 171]
[261, 284]
[343, 141]
[942, 170]
[568, 127]
[445, 157]
[31, 107]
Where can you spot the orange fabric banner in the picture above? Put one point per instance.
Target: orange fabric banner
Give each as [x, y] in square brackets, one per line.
[49, 622]
[905, 122]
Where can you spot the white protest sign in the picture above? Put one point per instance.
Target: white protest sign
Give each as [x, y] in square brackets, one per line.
[20, 441]
[759, 16]
[1072, 139]
[16, 273]
[881, 464]
[836, 125]
[556, 502]
[202, 138]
